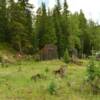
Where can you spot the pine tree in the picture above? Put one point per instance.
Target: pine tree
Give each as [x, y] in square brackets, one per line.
[45, 28]
[3, 20]
[74, 30]
[57, 23]
[61, 27]
[84, 36]
[20, 22]
[65, 8]
[65, 27]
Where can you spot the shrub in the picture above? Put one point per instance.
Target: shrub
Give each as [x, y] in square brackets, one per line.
[52, 88]
[66, 57]
[93, 71]
[46, 70]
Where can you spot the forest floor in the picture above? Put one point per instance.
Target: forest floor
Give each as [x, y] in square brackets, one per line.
[16, 82]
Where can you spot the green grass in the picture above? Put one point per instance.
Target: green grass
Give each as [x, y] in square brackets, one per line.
[16, 83]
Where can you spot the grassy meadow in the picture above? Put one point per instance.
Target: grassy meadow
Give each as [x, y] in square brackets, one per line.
[49, 50]
[16, 82]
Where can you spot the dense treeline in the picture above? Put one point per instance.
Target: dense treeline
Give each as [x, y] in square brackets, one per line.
[28, 32]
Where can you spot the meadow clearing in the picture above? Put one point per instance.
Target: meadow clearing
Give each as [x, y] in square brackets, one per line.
[16, 82]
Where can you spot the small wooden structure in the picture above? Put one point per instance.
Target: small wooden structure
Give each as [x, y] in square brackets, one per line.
[48, 52]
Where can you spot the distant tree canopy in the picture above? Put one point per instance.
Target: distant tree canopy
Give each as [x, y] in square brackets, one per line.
[27, 32]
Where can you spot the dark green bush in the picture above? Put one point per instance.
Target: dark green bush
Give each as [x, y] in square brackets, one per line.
[52, 88]
[46, 70]
[66, 57]
[93, 79]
